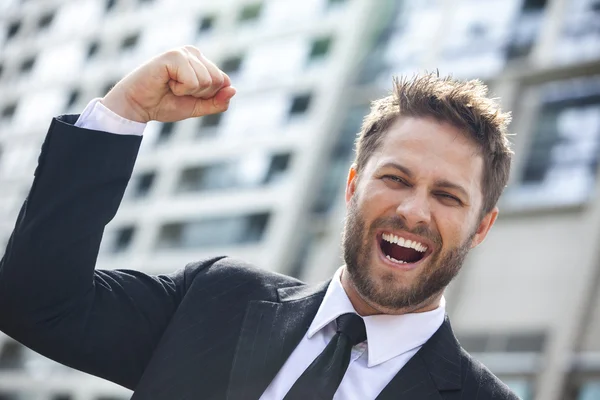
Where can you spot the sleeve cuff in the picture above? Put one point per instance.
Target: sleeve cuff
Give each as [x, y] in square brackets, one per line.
[97, 117]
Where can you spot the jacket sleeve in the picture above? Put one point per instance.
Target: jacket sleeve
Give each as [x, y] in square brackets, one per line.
[52, 300]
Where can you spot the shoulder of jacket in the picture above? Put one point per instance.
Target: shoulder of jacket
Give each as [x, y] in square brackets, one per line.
[234, 271]
[490, 386]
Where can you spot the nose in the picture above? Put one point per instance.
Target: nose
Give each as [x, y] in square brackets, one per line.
[414, 209]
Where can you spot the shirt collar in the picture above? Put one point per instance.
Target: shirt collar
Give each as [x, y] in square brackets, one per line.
[388, 336]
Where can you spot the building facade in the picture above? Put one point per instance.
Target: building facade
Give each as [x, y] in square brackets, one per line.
[264, 181]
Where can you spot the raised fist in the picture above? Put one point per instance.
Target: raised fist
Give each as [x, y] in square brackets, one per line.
[173, 86]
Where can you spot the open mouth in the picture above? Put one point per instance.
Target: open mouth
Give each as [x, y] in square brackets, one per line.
[401, 250]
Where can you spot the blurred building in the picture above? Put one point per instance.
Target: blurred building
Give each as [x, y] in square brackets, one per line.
[265, 180]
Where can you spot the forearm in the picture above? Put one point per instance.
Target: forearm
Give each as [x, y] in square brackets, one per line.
[78, 185]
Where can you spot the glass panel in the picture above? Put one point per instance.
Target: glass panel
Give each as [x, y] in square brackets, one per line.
[278, 168]
[209, 232]
[580, 36]
[474, 343]
[12, 356]
[561, 166]
[589, 391]
[526, 29]
[250, 171]
[405, 53]
[141, 185]
[526, 342]
[477, 36]
[123, 239]
[250, 12]
[521, 387]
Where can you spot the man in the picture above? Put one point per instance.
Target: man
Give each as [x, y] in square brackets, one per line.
[431, 162]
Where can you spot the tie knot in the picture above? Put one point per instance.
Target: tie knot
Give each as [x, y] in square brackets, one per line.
[353, 326]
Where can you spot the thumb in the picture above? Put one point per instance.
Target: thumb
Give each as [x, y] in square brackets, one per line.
[217, 104]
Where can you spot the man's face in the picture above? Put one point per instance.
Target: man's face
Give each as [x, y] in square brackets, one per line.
[413, 214]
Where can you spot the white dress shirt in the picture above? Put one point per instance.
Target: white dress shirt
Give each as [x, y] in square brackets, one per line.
[391, 339]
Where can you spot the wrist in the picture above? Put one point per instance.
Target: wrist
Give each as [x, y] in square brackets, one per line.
[119, 104]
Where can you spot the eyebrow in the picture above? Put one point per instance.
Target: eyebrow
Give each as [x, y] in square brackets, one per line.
[441, 183]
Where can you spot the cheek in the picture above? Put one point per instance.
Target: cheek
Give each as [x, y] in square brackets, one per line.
[454, 227]
[379, 198]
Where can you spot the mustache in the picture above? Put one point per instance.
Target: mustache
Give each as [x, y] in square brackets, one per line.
[396, 223]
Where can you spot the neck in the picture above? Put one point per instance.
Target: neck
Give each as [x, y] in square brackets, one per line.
[364, 307]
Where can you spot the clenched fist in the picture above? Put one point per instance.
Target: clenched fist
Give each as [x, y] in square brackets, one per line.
[176, 85]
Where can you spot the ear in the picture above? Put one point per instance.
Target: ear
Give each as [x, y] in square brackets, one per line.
[484, 227]
[351, 183]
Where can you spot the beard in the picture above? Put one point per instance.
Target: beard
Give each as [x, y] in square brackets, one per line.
[386, 289]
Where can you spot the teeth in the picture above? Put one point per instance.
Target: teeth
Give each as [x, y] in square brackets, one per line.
[400, 241]
[396, 261]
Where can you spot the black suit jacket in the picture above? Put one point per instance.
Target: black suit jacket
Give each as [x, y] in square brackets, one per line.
[217, 329]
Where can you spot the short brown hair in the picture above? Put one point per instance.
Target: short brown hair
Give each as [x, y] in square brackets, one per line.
[463, 104]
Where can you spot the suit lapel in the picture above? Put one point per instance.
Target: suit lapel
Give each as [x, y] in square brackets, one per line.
[270, 332]
[436, 367]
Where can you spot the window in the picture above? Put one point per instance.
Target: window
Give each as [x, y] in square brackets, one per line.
[110, 4]
[110, 398]
[142, 184]
[210, 232]
[9, 110]
[523, 388]
[342, 151]
[250, 12]
[62, 396]
[320, 48]
[504, 343]
[300, 104]
[475, 40]
[130, 42]
[13, 29]
[73, 97]
[526, 28]
[211, 121]
[231, 65]
[123, 239]
[209, 125]
[166, 131]
[474, 343]
[12, 355]
[93, 49]
[278, 168]
[561, 166]
[589, 391]
[247, 172]
[206, 24]
[516, 343]
[27, 65]
[45, 21]
[579, 37]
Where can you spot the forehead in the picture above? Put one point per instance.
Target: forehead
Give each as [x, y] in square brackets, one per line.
[431, 149]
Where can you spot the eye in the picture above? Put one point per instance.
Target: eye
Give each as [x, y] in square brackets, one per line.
[395, 179]
[449, 199]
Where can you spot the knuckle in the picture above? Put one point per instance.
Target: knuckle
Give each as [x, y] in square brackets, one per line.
[218, 80]
[190, 48]
[204, 83]
[175, 56]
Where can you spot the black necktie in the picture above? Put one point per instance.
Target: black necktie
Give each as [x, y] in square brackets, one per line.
[322, 378]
